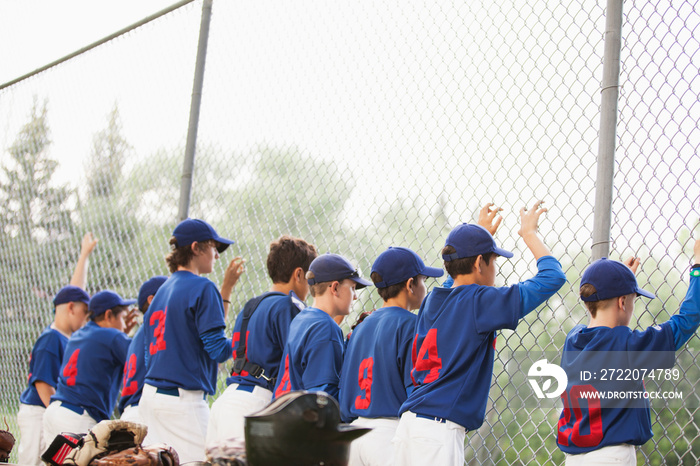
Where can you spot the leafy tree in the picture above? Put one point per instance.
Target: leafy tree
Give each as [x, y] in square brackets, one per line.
[251, 197]
[107, 160]
[108, 210]
[36, 247]
[34, 207]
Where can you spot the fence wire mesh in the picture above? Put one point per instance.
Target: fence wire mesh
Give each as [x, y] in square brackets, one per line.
[359, 127]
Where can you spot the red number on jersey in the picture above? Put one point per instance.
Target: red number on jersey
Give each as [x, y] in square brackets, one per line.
[130, 387]
[234, 340]
[158, 331]
[364, 379]
[71, 368]
[284, 385]
[595, 421]
[433, 363]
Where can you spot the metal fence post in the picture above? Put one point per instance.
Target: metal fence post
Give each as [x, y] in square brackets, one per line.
[190, 147]
[608, 125]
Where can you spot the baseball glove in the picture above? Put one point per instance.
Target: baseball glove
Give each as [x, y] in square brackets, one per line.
[7, 442]
[106, 437]
[153, 455]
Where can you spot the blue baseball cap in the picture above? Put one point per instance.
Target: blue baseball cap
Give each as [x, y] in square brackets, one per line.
[191, 229]
[332, 267]
[397, 264]
[611, 279]
[149, 288]
[471, 240]
[71, 294]
[105, 300]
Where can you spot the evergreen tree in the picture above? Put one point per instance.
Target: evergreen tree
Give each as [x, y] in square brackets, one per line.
[34, 208]
[107, 209]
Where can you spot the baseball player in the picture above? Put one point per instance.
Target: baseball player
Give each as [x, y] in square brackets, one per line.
[265, 323]
[184, 342]
[595, 430]
[454, 344]
[135, 368]
[313, 354]
[71, 310]
[89, 377]
[376, 374]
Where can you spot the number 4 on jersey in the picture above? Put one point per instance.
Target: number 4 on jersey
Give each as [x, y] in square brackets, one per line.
[70, 371]
[432, 363]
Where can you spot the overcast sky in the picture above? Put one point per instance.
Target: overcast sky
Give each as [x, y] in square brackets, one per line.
[36, 32]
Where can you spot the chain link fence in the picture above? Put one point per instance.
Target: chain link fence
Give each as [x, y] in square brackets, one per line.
[359, 127]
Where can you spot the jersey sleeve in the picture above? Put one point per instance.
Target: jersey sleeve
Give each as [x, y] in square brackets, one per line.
[684, 324]
[120, 347]
[496, 308]
[217, 345]
[404, 361]
[652, 348]
[538, 289]
[209, 312]
[47, 361]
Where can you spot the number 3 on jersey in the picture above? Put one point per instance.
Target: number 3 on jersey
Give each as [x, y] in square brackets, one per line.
[158, 331]
[432, 363]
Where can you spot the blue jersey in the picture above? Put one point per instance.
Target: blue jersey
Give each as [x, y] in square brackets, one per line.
[91, 369]
[265, 338]
[454, 344]
[44, 364]
[134, 372]
[313, 354]
[376, 375]
[590, 423]
[185, 308]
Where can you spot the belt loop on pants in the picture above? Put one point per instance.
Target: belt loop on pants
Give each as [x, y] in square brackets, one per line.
[168, 391]
[432, 418]
[173, 392]
[246, 388]
[76, 409]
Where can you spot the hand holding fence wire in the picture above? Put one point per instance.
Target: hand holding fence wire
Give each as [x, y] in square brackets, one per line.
[529, 220]
[489, 218]
[633, 263]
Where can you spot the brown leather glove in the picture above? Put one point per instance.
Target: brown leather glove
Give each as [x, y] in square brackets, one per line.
[153, 455]
[7, 442]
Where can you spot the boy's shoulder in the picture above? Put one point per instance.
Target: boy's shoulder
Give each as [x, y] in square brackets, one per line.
[467, 295]
[51, 340]
[584, 338]
[51, 334]
[276, 302]
[392, 317]
[193, 280]
[314, 320]
[93, 332]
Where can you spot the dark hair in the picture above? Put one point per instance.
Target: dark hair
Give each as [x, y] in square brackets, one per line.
[390, 291]
[586, 291]
[286, 255]
[116, 310]
[181, 256]
[465, 265]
